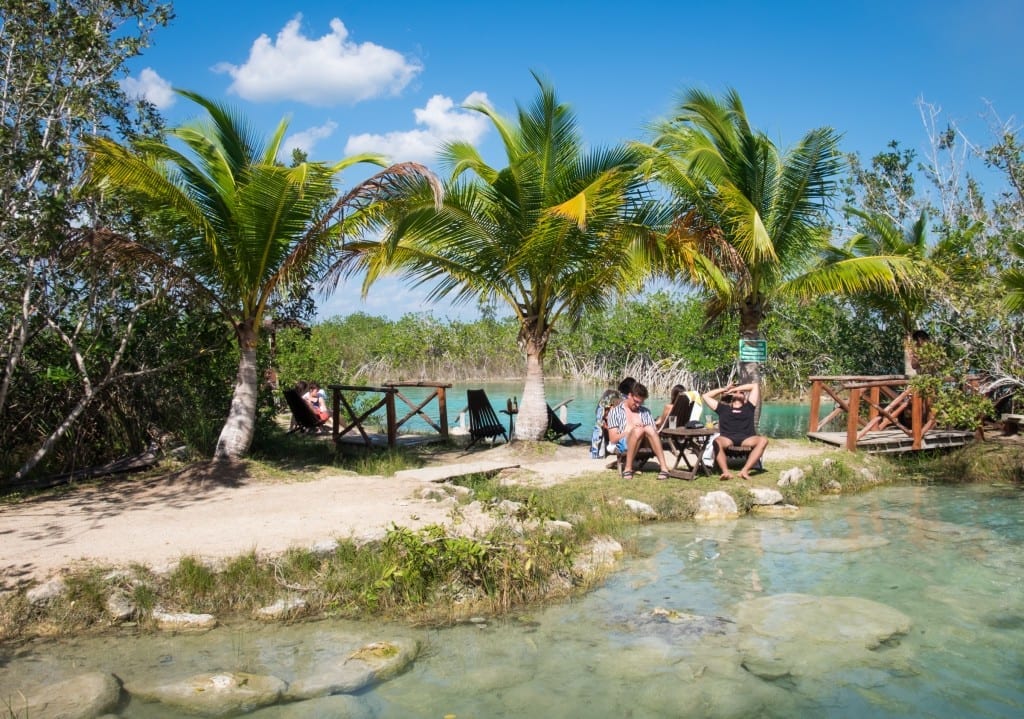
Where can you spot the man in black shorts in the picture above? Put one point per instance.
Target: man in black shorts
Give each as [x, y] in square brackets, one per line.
[735, 406]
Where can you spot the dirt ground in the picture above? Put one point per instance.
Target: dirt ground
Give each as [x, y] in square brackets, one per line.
[217, 512]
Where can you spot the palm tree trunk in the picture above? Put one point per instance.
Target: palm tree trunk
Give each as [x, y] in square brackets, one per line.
[236, 435]
[750, 329]
[532, 421]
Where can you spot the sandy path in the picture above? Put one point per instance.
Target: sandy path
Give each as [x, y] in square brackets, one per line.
[158, 521]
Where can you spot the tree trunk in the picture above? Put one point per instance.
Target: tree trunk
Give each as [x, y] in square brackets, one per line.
[532, 421]
[236, 435]
[909, 357]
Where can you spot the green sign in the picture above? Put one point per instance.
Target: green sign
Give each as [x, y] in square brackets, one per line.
[753, 350]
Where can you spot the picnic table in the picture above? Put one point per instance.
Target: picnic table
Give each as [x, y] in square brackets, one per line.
[679, 441]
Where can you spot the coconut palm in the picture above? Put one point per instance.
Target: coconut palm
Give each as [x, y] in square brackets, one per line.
[938, 264]
[554, 234]
[1013, 280]
[756, 214]
[237, 223]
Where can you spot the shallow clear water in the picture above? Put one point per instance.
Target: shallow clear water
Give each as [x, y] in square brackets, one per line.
[777, 420]
[949, 558]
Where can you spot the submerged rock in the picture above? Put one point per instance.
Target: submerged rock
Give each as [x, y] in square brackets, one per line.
[800, 635]
[220, 694]
[341, 706]
[82, 697]
[368, 665]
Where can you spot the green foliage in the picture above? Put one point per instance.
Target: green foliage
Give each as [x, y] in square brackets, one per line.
[946, 389]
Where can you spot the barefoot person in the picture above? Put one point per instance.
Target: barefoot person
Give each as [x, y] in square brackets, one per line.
[735, 406]
[629, 423]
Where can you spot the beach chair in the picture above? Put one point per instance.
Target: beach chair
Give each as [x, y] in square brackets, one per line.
[483, 421]
[304, 419]
[558, 429]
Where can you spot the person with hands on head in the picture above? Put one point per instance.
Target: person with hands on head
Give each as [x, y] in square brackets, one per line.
[735, 406]
[629, 423]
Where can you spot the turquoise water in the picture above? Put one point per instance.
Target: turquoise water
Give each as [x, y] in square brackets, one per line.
[777, 420]
[948, 558]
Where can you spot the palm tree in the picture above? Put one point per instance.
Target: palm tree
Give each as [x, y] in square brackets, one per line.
[1013, 280]
[938, 264]
[556, 233]
[754, 214]
[237, 224]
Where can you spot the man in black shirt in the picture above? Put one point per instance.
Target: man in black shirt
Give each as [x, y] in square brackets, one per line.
[735, 406]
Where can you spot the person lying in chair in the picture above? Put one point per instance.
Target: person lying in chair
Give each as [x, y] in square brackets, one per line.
[735, 406]
[629, 423]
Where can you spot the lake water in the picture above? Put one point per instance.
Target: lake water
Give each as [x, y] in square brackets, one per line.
[777, 420]
[663, 637]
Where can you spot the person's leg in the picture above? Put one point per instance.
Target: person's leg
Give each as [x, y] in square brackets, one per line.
[622, 448]
[655, 441]
[757, 443]
[720, 459]
[632, 444]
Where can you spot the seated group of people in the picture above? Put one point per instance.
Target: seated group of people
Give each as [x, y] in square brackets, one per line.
[630, 424]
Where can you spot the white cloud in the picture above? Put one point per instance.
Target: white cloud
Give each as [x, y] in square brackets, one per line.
[151, 87]
[443, 123]
[306, 140]
[322, 72]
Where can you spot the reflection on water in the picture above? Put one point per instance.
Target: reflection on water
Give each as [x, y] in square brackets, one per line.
[668, 635]
[777, 420]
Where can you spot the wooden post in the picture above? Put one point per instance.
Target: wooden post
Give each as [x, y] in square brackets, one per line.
[442, 411]
[815, 405]
[875, 394]
[916, 420]
[852, 417]
[392, 418]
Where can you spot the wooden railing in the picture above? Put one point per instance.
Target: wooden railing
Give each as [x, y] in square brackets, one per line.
[389, 391]
[884, 400]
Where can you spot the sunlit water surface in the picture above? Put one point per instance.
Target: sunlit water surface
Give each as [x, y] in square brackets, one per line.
[949, 558]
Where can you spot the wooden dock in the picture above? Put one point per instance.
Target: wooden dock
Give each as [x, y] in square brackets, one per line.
[882, 414]
[893, 441]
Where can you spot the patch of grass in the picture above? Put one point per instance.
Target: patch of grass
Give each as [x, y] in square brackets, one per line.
[83, 601]
[191, 585]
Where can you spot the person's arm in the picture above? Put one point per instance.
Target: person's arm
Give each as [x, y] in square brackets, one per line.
[710, 398]
[663, 419]
[615, 432]
[755, 394]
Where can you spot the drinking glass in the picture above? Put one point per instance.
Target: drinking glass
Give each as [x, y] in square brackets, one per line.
[672, 422]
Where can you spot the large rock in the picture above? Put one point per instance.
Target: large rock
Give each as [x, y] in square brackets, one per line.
[640, 509]
[362, 668]
[716, 505]
[183, 621]
[214, 695]
[83, 697]
[800, 635]
[597, 556]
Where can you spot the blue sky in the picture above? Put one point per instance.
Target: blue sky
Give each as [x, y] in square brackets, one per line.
[391, 76]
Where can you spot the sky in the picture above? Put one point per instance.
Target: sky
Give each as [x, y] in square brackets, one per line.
[392, 77]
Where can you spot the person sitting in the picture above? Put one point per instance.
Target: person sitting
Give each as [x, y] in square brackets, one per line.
[598, 445]
[674, 394]
[736, 424]
[629, 424]
[316, 398]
